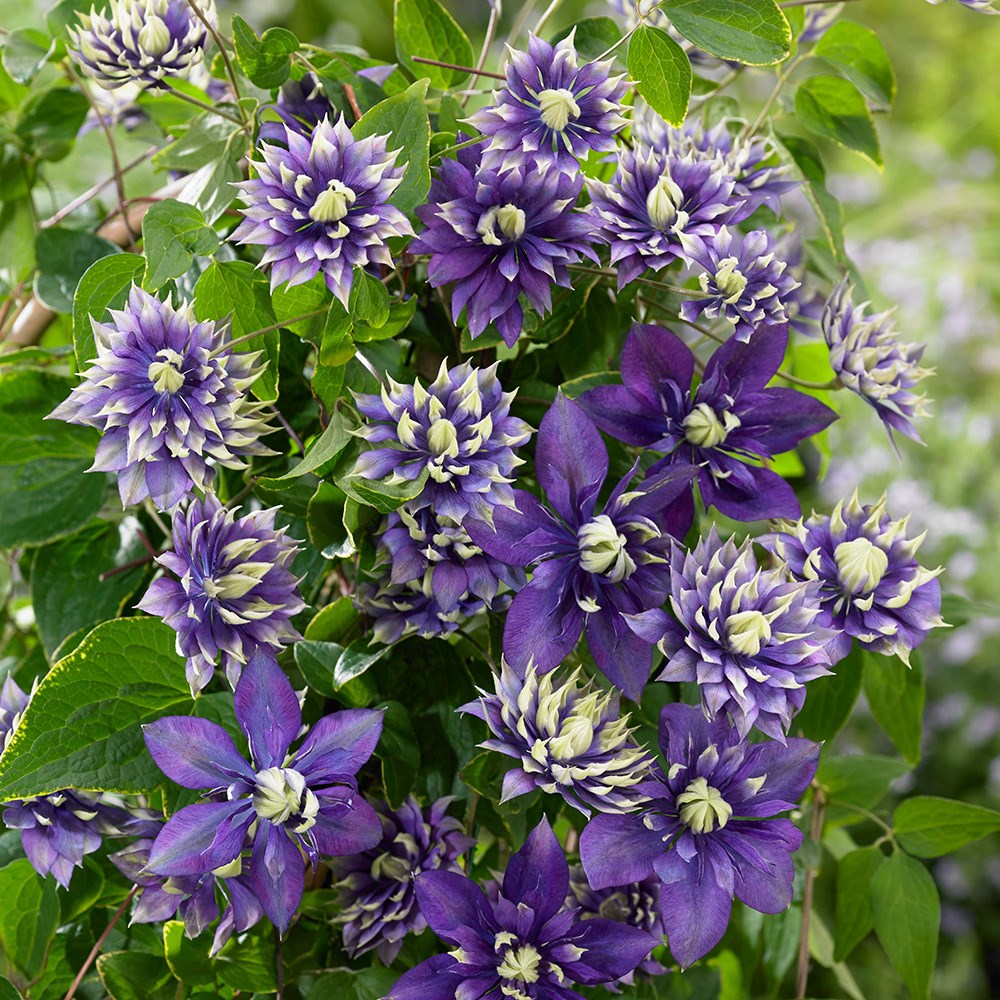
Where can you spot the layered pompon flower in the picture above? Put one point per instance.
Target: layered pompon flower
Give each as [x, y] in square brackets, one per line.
[231, 590]
[870, 584]
[522, 945]
[552, 108]
[458, 429]
[494, 234]
[710, 831]
[870, 361]
[301, 105]
[282, 807]
[743, 281]
[590, 570]
[567, 737]
[654, 198]
[169, 397]
[146, 42]
[750, 638]
[433, 577]
[320, 203]
[724, 427]
[376, 898]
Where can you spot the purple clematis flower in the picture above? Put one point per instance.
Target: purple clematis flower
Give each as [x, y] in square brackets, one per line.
[591, 570]
[710, 831]
[322, 205]
[552, 108]
[494, 234]
[655, 197]
[522, 946]
[301, 106]
[730, 420]
[378, 905]
[871, 586]
[749, 637]
[744, 283]
[286, 804]
[231, 592]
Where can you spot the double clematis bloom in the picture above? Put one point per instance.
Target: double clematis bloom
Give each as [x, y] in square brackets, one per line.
[724, 426]
[284, 806]
[568, 738]
[232, 591]
[497, 234]
[169, 397]
[320, 204]
[523, 945]
[871, 586]
[591, 569]
[710, 831]
[750, 638]
[552, 108]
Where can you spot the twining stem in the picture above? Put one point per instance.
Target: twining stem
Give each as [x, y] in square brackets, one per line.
[352, 101]
[456, 67]
[456, 148]
[750, 130]
[815, 834]
[221, 45]
[546, 14]
[491, 27]
[71, 992]
[244, 337]
[125, 567]
[208, 107]
[604, 272]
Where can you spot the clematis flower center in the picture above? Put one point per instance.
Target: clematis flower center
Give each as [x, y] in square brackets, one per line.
[663, 203]
[509, 219]
[702, 807]
[557, 107]
[333, 204]
[729, 279]
[154, 36]
[603, 550]
[442, 437]
[704, 429]
[747, 631]
[860, 564]
[388, 866]
[281, 795]
[520, 964]
[166, 375]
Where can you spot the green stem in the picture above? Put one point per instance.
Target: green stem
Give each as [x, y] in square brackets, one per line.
[209, 108]
[783, 76]
[243, 338]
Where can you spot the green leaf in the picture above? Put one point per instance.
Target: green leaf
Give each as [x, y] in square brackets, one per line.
[896, 695]
[50, 121]
[264, 60]
[172, 233]
[828, 209]
[291, 302]
[83, 726]
[384, 495]
[28, 917]
[249, 963]
[907, 914]
[237, 290]
[24, 53]
[324, 449]
[7, 991]
[104, 285]
[400, 315]
[661, 71]
[136, 975]
[928, 826]
[67, 592]
[833, 107]
[400, 755]
[84, 891]
[64, 256]
[859, 54]
[424, 28]
[831, 700]
[369, 301]
[861, 780]
[328, 666]
[330, 623]
[754, 32]
[188, 959]
[593, 36]
[854, 909]
[43, 492]
[404, 119]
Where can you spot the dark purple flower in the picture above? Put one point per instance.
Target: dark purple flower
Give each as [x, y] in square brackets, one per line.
[805, 302]
[749, 637]
[301, 106]
[145, 41]
[523, 946]
[494, 234]
[433, 577]
[232, 591]
[322, 204]
[590, 570]
[13, 702]
[568, 738]
[169, 397]
[709, 832]
[744, 282]
[871, 586]
[286, 804]
[378, 905]
[552, 109]
[194, 899]
[724, 426]
[870, 361]
[753, 166]
[458, 429]
[636, 904]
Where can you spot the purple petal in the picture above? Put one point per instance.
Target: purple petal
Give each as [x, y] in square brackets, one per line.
[341, 742]
[517, 537]
[194, 752]
[695, 908]
[277, 874]
[538, 874]
[750, 365]
[449, 901]
[542, 625]
[611, 950]
[623, 656]
[617, 850]
[347, 825]
[427, 981]
[267, 709]
[201, 837]
[653, 355]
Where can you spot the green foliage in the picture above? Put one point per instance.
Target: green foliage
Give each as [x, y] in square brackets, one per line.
[929, 826]
[896, 695]
[854, 908]
[857, 52]
[424, 28]
[172, 234]
[834, 108]
[662, 72]
[28, 918]
[265, 60]
[747, 31]
[105, 285]
[64, 255]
